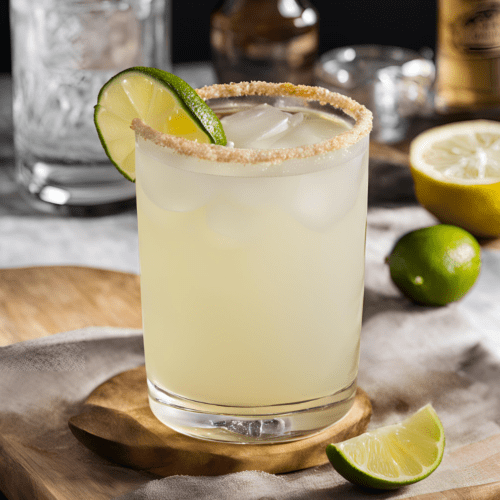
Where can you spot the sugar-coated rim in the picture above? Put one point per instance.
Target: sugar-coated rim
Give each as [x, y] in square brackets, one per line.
[213, 152]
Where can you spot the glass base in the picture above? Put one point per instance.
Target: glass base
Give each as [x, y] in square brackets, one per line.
[250, 425]
[74, 189]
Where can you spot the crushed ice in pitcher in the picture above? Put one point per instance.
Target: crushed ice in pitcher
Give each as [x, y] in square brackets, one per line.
[266, 127]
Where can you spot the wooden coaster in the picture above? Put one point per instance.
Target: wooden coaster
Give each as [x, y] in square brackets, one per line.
[118, 424]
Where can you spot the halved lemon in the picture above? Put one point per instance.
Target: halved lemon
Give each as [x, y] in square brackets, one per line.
[163, 101]
[394, 455]
[456, 171]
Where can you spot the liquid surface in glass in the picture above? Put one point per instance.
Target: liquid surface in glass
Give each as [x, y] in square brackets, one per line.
[252, 286]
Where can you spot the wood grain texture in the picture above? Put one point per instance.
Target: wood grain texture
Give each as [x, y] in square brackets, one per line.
[119, 425]
[39, 301]
[489, 491]
[36, 302]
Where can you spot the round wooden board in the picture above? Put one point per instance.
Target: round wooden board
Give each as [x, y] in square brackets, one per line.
[39, 301]
[118, 424]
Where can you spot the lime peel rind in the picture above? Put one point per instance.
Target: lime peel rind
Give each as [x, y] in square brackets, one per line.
[395, 476]
[194, 109]
[436, 265]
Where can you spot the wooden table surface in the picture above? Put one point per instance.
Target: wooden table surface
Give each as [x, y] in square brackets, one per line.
[40, 301]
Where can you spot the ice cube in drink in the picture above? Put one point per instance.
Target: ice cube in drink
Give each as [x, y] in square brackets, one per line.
[252, 275]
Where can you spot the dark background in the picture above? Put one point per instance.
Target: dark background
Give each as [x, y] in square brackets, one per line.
[405, 23]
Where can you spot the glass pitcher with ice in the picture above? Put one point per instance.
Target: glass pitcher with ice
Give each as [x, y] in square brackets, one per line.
[63, 53]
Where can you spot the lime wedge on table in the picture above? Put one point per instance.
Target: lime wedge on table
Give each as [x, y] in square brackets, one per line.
[163, 101]
[392, 456]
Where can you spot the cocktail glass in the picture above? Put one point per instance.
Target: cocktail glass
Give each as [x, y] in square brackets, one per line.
[252, 269]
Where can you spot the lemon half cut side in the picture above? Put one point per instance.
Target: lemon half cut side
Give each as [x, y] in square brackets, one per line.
[163, 101]
[394, 455]
[456, 171]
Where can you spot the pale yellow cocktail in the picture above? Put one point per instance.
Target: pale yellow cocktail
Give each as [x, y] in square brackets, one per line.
[252, 265]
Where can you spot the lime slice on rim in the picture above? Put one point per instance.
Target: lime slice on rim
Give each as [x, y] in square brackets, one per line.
[163, 101]
[392, 456]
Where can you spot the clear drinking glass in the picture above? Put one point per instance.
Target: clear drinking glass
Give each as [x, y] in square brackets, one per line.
[393, 82]
[252, 268]
[63, 53]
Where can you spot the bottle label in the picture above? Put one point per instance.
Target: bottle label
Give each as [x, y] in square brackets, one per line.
[478, 31]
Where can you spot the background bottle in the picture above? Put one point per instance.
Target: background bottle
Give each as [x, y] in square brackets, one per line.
[468, 55]
[270, 40]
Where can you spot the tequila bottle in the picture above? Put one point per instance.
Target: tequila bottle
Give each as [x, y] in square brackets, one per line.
[468, 55]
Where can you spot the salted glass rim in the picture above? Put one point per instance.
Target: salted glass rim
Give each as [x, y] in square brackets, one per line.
[212, 152]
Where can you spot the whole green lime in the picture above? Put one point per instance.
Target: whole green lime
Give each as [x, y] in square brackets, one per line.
[435, 265]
